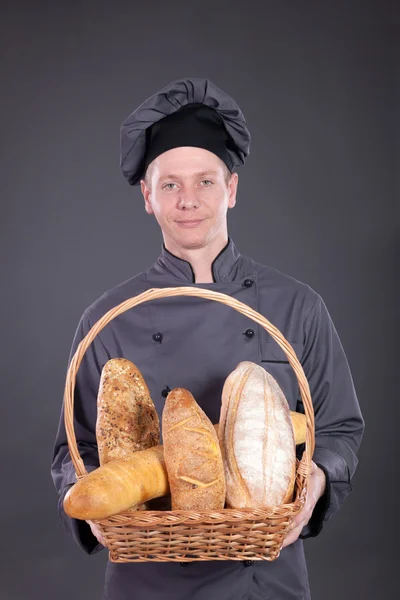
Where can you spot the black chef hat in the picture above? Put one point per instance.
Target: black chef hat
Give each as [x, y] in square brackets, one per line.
[187, 112]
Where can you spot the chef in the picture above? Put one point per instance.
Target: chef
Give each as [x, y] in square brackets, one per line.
[183, 146]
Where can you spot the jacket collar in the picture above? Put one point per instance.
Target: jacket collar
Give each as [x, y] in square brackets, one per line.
[225, 266]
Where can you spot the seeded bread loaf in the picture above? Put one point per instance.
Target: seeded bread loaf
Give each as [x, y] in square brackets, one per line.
[127, 420]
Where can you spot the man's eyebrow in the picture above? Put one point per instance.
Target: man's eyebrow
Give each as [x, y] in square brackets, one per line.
[199, 174]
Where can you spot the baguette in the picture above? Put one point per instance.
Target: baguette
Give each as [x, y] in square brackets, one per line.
[118, 485]
[192, 454]
[257, 439]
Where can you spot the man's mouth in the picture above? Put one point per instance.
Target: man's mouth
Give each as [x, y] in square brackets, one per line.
[190, 223]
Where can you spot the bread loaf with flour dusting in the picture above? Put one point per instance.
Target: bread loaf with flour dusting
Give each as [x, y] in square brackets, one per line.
[257, 439]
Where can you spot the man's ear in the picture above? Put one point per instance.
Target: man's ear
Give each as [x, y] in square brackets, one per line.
[233, 183]
[147, 196]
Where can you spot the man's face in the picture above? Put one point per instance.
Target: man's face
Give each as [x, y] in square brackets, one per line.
[189, 195]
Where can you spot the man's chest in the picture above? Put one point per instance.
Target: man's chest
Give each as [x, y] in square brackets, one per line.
[194, 343]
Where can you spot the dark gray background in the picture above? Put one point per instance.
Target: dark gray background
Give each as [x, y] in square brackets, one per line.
[317, 199]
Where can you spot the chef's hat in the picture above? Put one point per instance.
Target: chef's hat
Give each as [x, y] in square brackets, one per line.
[187, 112]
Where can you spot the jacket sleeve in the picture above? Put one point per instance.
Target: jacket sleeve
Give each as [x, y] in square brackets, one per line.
[339, 425]
[85, 414]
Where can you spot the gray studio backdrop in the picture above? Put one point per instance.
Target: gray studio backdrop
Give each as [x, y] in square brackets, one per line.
[316, 200]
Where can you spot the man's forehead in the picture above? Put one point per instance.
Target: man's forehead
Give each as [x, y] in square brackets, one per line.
[186, 173]
[186, 161]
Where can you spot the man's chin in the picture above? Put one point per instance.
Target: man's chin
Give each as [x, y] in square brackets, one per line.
[191, 238]
[192, 245]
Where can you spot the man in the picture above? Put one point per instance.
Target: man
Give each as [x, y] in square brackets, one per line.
[182, 145]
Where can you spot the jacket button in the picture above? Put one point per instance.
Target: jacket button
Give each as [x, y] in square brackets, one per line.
[165, 392]
[249, 333]
[248, 282]
[248, 563]
[157, 337]
[184, 564]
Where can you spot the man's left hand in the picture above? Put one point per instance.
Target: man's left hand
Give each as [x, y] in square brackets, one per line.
[315, 489]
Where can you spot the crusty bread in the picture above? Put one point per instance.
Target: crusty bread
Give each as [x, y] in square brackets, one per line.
[299, 422]
[257, 439]
[192, 454]
[127, 420]
[118, 485]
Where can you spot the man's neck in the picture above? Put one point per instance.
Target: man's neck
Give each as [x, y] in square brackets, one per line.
[200, 259]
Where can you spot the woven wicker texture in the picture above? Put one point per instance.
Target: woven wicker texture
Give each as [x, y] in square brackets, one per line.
[228, 534]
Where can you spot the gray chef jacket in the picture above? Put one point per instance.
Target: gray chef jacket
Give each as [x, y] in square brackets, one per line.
[195, 343]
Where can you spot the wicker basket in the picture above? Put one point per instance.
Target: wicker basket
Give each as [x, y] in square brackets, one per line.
[227, 534]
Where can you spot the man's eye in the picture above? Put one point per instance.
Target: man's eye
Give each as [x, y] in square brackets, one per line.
[207, 180]
[167, 184]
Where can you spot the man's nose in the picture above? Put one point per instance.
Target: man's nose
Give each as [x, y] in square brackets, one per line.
[188, 198]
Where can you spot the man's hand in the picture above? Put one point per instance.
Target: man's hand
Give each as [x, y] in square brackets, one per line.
[96, 532]
[315, 489]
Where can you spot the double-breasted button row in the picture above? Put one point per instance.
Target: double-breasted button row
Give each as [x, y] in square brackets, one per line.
[157, 337]
[249, 333]
[248, 282]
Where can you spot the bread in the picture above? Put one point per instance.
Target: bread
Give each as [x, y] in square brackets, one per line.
[102, 493]
[127, 420]
[299, 423]
[192, 454]
[118, 485]
[257, 439]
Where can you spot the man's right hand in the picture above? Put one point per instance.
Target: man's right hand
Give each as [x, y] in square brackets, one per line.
[96, 532]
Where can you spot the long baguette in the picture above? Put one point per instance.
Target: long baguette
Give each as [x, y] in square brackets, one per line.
[118, 485]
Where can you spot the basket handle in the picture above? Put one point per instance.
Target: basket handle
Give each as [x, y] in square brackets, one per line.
[152, 294]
